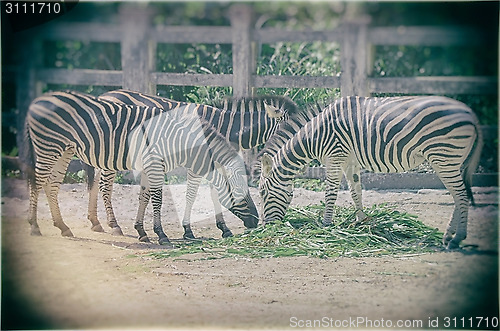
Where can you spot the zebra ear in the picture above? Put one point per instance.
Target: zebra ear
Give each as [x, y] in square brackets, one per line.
[266, 164]
[272, 111]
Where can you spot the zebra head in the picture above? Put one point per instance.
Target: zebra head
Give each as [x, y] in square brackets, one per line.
[276, 191]
[234, 193]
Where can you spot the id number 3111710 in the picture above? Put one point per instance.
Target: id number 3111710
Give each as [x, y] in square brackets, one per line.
[23, 7]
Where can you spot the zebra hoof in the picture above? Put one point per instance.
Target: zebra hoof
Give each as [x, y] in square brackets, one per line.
[35, 231]
[67, 233]
[453, 246]
[326, 223]
[227, 234]
[97, 228]
[188, 235]
[165, 242]
[117, 231]
[144, 239]
[185, 237]
[447, 240]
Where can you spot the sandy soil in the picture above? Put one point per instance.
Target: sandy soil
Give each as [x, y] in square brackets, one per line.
[97, 280]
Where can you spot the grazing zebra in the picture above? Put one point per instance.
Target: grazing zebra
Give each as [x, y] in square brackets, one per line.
[245, 123]
[118, 137]
[382, 135]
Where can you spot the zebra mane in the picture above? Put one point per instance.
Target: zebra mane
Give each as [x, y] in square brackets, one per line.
[286, 130]
[281, 102]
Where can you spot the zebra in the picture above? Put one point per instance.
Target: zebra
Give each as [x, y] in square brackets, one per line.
[245, 123]
[116, 137]
[391, 134]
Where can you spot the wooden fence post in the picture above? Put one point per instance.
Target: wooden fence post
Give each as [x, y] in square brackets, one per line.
[138, 52]
[241, 23]
[243, 62]
[28, 87]
[354, 61]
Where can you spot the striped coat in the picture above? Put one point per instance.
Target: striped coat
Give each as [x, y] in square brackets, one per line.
[117, 137]
[381, 135]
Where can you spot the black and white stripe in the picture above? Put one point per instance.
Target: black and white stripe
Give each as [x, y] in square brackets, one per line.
[115, 137]
[245, 123]
[383, 135]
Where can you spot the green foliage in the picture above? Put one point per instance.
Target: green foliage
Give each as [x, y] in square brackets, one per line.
[11, 173]
[199, 59]
[300, 59]
[125, 177]
[71, 54]
[75, 177]
[175, 180]
[194, 58]
[316, 185]
[400, 61]
[301, 233]
[13, 152]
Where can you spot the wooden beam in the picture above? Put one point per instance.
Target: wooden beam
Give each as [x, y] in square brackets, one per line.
[192, 34]
[297, 81]
[80, 76]
[425, 36]
[273, 35]
[241, 21]
[182, 79]
[353, 61]
[137, 51]
[434, 85]
[95, 32]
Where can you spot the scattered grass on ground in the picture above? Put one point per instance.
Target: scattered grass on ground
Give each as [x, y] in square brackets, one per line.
[301, 233]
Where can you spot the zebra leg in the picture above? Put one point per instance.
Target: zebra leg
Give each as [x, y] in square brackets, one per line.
[353, 177]
[193, 183]
[219, 219]
[34, 189]
[93, 189]
[156, 199]
[106, 187]
[456, 230]
[333, 178]
[144, 196]
[52, 190]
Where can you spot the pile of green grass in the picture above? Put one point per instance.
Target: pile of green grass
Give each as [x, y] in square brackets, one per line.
[301, 233]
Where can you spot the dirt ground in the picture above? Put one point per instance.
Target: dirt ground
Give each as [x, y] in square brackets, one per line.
[97, 280]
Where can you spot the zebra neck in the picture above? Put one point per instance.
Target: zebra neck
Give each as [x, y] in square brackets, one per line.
[306, 145]
[245, 126]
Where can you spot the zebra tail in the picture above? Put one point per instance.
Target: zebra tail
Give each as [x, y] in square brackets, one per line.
[27, 157]
[472, 162]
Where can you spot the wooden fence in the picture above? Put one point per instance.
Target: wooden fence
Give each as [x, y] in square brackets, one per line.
[138, 39]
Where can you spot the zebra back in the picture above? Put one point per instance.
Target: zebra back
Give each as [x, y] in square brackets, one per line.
[251, 121]
[388, 134]
[244, 122]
